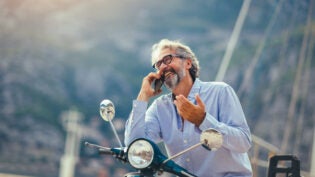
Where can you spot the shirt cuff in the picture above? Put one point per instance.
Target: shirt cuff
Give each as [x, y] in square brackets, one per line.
[139, 105]
[210, 122]
[138, 110]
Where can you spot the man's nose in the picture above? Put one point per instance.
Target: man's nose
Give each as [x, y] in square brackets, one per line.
[162, 66]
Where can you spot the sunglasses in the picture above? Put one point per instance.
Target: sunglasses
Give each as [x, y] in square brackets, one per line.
[166, 60]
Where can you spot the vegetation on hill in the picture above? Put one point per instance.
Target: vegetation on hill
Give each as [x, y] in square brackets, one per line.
[69, 54]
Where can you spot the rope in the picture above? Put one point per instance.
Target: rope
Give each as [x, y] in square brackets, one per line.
[296, 89]
[249, 72]
[233, 40]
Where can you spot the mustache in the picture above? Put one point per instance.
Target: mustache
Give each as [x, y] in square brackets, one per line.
[168, 70]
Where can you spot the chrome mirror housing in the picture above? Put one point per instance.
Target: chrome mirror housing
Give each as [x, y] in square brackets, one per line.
[211, 139]
[107, 110]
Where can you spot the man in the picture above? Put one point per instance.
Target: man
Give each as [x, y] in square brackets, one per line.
[178, 118]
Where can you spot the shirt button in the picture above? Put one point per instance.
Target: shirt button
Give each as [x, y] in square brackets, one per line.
[185, 141]
[188, 160]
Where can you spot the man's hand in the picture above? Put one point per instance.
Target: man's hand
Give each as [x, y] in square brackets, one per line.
[147, 91]
[188, 111]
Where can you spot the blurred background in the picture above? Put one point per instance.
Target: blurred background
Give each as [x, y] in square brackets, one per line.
[60, 58]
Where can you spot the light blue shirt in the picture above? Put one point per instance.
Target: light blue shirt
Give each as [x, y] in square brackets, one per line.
[161, 122]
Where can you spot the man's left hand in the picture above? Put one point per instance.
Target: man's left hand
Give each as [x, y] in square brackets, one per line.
[189, 111]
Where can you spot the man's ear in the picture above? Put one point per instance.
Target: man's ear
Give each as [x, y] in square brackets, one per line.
[188, 63]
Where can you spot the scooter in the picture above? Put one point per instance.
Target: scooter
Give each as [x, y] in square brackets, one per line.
[145, 156]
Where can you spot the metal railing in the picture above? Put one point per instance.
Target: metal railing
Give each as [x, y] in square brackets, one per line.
[260, 145]
[258, 160]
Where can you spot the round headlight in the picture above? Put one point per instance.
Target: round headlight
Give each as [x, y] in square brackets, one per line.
[140, 154]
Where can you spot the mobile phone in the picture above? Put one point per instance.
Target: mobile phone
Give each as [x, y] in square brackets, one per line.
[158, 83]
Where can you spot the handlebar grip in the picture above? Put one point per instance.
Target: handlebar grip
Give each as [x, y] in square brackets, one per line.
[101, 149]
[105, 151]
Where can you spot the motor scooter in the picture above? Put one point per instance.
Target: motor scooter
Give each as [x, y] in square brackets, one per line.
[145, 156]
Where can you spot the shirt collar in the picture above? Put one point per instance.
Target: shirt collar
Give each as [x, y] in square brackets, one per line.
[194, 90]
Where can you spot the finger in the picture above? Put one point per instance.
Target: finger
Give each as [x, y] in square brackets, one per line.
[178, 105]
[175, 102]
[157, 92]
[183, 105]
[181, 99]
[160, 73]
[152, 76]
[199, 101]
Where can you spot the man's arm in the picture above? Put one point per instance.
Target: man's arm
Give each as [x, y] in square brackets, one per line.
[135, 126]
[142, 123]
[231, 122]
[146, 91]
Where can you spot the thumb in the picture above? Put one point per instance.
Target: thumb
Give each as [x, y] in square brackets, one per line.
[199, 101]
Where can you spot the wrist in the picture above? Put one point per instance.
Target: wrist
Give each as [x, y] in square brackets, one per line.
[142, 97]
[200, 120]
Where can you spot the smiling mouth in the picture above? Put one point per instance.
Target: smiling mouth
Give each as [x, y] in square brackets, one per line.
[167, 74]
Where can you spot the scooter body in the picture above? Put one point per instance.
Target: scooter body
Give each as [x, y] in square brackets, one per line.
[145, 156]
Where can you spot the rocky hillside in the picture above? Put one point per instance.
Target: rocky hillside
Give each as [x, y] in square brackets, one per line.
[59, 55]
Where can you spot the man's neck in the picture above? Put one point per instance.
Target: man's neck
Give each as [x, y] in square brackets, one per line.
[184, 87]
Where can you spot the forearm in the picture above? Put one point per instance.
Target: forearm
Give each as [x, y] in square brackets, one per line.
[134, 127]
[235, 137]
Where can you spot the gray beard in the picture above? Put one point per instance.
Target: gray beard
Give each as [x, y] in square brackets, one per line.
[174, 81]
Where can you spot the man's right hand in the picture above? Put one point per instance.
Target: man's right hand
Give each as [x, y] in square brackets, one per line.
[147, 91]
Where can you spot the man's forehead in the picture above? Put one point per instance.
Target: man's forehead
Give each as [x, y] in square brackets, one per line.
[160, 54]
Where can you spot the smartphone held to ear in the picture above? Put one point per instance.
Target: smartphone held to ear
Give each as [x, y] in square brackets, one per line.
[158, 83]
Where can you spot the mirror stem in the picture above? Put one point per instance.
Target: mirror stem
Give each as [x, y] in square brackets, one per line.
[182, 152]
[115, 132]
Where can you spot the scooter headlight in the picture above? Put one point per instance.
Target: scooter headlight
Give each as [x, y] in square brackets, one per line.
[140, 154]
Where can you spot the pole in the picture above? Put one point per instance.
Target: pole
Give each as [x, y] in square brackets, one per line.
[312, 172]
[71, 121]
[233, 40]
[297, 82]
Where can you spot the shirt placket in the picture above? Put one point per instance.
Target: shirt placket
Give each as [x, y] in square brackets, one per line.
[187, 135]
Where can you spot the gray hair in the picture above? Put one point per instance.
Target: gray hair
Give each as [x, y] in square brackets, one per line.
[180, 49]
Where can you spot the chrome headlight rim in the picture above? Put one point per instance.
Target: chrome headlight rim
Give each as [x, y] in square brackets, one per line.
[134, 146]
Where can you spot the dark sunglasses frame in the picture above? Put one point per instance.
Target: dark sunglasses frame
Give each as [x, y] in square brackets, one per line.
[166, 60]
